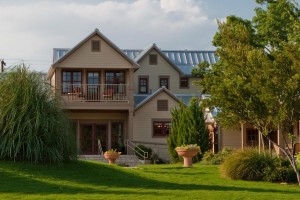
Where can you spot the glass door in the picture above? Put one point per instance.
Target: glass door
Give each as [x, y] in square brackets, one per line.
[91, 136]
[93, 86]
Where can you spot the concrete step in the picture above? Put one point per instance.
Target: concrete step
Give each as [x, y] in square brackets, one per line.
[125, 160]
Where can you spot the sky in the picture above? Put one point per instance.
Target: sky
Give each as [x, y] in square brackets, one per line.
[29, 30]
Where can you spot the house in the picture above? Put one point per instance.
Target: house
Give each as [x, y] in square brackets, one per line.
[116, 96]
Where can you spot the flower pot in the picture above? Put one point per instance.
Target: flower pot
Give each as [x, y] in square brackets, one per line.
[111, 157]
[187, 155]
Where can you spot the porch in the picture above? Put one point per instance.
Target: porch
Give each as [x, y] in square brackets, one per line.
[95, 92]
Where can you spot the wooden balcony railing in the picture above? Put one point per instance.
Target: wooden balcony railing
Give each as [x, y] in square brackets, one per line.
[95, 92]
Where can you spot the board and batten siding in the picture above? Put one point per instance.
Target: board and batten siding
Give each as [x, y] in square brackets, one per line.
[108, 57]
[162, 69]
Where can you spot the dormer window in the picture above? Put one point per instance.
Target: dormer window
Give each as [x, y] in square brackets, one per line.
[96, 45]
[153, 59]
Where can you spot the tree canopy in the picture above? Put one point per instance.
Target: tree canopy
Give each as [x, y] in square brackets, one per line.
[257, 77]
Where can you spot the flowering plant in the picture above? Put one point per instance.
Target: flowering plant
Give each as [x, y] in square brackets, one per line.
[188, 147]
[112, 151]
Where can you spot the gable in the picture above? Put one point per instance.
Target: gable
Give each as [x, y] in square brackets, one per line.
[162, 67]
[150, 107]
[84, 57]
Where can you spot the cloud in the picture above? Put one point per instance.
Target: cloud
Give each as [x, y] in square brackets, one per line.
[30, 30]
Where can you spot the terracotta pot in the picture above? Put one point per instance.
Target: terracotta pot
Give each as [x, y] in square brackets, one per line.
[187, 156]
[111, 157]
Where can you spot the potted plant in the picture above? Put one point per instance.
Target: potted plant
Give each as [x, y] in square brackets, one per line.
[111, 155]
[188, 152]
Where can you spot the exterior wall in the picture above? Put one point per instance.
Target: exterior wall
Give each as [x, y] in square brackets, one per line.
[143, 122]
[83, 57]
[230, 138]
[163, 68]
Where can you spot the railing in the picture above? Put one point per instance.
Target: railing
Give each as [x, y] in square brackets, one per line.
[95, 92]
[159, 148]
[133, 147]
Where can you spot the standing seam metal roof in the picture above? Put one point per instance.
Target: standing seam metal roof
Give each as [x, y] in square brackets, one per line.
[184, 60]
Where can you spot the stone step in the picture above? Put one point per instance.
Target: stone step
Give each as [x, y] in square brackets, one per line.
[126, 160]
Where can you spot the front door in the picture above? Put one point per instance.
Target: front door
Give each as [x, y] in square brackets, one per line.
[91, 135]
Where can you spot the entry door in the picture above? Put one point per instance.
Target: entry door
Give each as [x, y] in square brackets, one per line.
[90, 136]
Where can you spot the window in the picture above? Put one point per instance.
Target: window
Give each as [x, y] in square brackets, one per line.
[161, 128]
[164, 81]
[152, 59]
[252, 137]
[143, 85]
[162, 105]
[115, 77]
[184, 82]
[96, 45]
[71, 81]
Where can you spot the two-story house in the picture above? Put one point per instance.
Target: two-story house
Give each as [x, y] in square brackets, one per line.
[115, 95]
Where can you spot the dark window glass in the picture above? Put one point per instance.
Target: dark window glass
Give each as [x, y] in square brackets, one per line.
[71, 82]
[143, 85]
[252, 137]
[184, 82]
[164, 82]
[161, 128]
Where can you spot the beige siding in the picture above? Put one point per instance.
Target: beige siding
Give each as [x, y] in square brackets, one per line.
[98, 115]
[143, 118]
[163, 68]
[231, 138]
[52, 80]
[83, 57]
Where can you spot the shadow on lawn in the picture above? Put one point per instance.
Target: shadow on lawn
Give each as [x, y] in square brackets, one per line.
[90, 177]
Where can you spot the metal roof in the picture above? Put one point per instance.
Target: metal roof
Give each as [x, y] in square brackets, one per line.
[184, 60]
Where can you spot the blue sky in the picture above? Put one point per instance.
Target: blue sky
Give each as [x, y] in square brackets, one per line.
[31, 29]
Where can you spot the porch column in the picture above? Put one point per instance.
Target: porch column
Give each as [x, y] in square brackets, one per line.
[78, 135]
[280, 142]
[130, 125]
[243, 134]
[58, 82]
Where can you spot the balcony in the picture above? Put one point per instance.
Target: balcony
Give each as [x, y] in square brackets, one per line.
[95, 92]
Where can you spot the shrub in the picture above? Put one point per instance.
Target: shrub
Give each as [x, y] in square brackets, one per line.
[140, 148]
[33, 126]
[209, 158]
[156, 159]
[188, 127]
[249, 164]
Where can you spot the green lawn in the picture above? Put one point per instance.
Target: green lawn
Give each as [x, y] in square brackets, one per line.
[93, 180]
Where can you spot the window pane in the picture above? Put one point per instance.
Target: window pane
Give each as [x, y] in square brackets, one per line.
[161, 128]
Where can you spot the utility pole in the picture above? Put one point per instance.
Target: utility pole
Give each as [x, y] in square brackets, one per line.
[2, 65]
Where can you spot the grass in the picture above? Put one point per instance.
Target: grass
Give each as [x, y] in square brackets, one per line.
[93, 180]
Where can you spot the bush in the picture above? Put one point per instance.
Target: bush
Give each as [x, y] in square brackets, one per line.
[210, 158]
[33, 125]
[188, 127]
[249, 164]
[140, 148]
[157, 160]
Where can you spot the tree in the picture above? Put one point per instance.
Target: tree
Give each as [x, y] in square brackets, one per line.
[257, 77]
[33, 126]
[188, 127]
